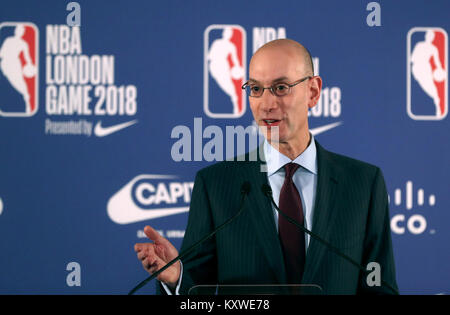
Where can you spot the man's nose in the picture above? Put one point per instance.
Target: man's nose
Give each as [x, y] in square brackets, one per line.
[269, 101]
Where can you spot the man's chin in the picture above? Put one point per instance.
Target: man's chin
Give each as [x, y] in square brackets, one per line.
[272, 134]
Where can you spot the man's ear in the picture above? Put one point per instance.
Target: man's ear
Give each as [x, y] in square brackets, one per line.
[315, 87]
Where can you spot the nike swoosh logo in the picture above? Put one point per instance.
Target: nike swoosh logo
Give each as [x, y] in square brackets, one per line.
[318, 130]
[100, 131]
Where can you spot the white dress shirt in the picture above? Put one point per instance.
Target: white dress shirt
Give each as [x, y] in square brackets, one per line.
[304, 178]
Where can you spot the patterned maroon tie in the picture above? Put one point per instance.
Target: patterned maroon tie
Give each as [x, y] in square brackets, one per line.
[292, 238]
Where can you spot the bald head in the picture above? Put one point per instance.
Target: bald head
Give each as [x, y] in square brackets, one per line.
[291, 48]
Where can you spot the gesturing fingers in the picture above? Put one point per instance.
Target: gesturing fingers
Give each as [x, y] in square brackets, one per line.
[151, 233]
[145, 250]
[152, 263]
[157, 238]
[142, 255]
[153, 268]
[148, 255]
[156, 254]
[139, 246]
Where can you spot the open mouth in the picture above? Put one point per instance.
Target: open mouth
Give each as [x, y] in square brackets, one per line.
[271, 122]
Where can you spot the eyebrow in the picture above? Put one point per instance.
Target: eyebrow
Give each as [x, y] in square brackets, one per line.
[273, 81]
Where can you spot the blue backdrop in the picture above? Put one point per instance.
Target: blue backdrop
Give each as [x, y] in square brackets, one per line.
[73, 190]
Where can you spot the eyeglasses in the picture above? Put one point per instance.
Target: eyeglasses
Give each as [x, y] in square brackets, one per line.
[278, 89]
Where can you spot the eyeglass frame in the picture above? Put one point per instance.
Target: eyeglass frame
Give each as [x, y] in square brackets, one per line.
[271, 88]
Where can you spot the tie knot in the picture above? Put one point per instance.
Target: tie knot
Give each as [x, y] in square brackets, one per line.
[290, 169]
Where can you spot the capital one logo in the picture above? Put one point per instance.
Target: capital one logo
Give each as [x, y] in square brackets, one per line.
[149, 196]
[224, 71]
[19, 69]
[427, 73]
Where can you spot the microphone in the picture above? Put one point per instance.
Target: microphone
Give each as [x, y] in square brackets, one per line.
[245, 189]
[268, 192]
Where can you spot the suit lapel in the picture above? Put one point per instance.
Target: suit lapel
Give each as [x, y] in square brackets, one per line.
[327, 185]
[263, 220]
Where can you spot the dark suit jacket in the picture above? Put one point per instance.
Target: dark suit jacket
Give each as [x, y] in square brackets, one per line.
[351, 212]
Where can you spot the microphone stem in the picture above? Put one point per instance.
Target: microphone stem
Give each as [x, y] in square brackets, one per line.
[190, 249]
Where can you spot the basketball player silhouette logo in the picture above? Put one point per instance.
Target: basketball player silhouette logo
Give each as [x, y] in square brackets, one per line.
[18, 56]
[224, 71]
[427, 65]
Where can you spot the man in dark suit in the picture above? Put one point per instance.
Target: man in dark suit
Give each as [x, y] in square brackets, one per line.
[342, 200]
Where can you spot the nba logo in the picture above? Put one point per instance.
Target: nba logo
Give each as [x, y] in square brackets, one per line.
[224, 71]
[19, 46]
[427, 73]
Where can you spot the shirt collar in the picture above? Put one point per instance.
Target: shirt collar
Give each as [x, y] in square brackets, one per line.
[276, 160]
